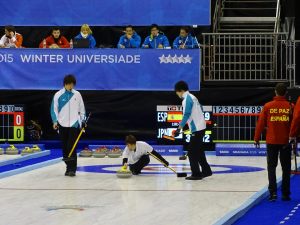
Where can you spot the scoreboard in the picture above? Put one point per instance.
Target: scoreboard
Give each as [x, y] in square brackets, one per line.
[233, 124]
[12, 123]
[168, 118]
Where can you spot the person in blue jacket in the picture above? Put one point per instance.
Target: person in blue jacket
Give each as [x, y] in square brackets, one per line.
[184, 40]
[86, 33]
[157, 39]
[130, 39]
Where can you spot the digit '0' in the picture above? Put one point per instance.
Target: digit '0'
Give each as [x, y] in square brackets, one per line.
[18, 119]
[19, 133]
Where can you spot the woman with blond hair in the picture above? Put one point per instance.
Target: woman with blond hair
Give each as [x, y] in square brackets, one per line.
[86, 33]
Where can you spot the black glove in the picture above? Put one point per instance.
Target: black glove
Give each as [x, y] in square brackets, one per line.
[176, 133]
[83, 124]
[125, 160]
[256, 144]
[293, 143]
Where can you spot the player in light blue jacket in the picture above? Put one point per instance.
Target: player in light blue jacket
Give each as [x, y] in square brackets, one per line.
[185, 40]
[193, 116]
[68, 115]
[157, 39]
[130, 39]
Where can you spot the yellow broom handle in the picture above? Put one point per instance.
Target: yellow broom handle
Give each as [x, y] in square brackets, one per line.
[74, 146]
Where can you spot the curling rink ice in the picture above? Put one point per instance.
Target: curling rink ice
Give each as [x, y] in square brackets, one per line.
[4, 157]
[157, 197]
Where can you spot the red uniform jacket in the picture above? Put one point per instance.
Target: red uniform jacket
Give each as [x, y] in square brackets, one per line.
[62, 42]
[276, 117]
[295, 126]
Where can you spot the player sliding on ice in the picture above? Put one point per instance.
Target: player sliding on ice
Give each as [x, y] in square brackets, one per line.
[136, 155]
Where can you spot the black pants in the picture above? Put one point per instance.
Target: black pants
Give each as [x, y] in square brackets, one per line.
[68, 137]
[197, 156]
[284, 153]
[139, 165]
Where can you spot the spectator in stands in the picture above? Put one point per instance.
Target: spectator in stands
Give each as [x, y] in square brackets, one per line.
[86, 33]
[55, 40]
[11, 39]
[130, 39]
[157, 39]
[184, 40]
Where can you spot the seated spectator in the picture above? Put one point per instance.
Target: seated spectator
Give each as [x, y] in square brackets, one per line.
[130, 39]
[11, 39]
[55, 40]
[157, 39]
[86, 33]
[184, 40]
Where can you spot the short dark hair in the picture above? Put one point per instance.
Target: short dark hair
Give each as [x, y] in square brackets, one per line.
[10, 28]
[69, 79]
[281, 89]
[181, 86]
[129, 26]
[55, 28]
[154, 26]
[130, 139]
[186, 29]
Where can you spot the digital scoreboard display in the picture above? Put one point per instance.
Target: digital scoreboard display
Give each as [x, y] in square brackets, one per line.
[235, 124]
[11, 123]
[168, 119]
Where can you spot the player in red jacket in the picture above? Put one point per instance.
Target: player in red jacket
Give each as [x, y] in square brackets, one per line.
[276, 116]
[55, 40]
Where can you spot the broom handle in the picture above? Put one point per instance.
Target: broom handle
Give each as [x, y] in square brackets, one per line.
[81, 132]
[74, 145]
[162, 162]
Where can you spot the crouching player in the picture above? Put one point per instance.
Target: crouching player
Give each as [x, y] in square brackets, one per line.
[136, 155]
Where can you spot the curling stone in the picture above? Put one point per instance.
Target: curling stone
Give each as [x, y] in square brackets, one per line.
[116, 152]
[86, 153]
[100, 152]
[36, 148]
[26, 151]
[12, 150]
[1, 151]
[124, 173]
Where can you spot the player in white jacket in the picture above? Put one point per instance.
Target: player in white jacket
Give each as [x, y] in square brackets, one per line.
[136, 154]
[193, 116]
[68, 114]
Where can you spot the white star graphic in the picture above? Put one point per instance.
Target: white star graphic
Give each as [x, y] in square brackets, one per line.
[162, 59]
[169, 59]
[181, 59]
[175, 59]
[188, 59]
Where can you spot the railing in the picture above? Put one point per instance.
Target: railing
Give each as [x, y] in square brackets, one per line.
[277, 22]
[217, 15]
[246, 57]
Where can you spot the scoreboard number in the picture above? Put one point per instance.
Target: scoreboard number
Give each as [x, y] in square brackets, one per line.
[237, 109]
[11, 123]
